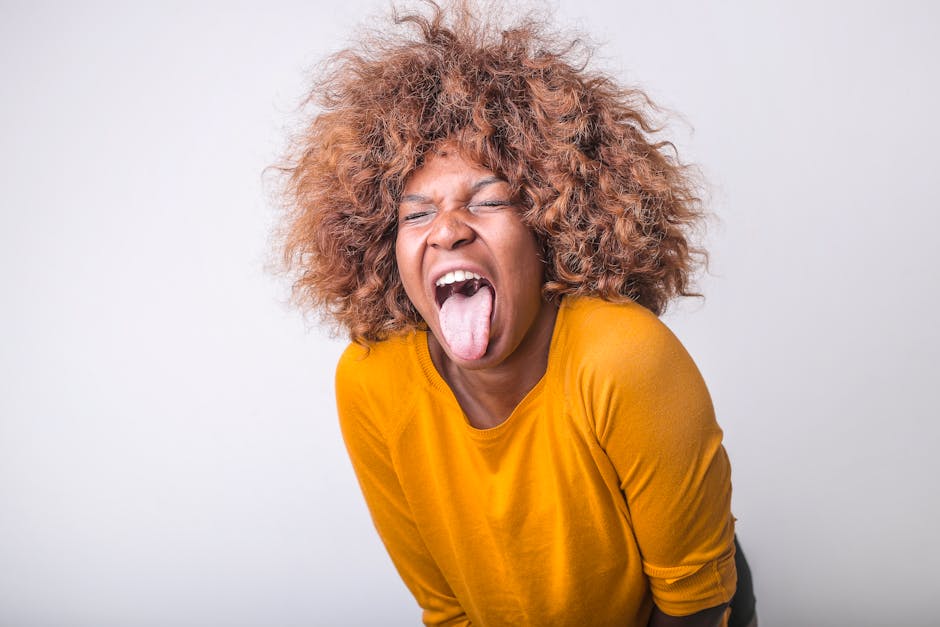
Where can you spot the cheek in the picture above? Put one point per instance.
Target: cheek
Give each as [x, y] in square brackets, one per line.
[408, 271]
[527, 254]
[401, 261]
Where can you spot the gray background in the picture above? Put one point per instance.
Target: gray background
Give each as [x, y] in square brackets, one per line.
[169, 454]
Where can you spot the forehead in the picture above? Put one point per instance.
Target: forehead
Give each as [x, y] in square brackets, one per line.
[447, 170]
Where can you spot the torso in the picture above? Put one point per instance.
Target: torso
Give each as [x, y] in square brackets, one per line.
[523, 512]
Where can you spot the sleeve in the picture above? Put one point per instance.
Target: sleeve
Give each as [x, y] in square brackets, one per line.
[654, 418]
[391, 514]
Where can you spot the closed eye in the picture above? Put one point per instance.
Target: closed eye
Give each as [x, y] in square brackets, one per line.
[416, 216]
[491, 203]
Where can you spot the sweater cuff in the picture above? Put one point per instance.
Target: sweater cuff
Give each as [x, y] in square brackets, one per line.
[685, 590]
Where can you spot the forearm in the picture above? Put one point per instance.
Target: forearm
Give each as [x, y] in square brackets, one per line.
[706, 618]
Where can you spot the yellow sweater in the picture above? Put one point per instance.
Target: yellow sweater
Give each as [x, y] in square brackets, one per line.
[605, 491]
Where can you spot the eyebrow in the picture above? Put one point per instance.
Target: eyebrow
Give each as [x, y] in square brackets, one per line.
[483, 182]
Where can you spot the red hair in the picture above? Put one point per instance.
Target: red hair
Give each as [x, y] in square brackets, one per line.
[612, 208]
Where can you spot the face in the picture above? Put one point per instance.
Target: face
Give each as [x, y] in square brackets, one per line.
[468, 263]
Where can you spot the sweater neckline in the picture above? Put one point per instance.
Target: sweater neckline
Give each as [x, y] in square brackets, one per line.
[419, 341]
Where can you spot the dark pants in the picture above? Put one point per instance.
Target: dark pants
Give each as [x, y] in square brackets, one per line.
[743, 603]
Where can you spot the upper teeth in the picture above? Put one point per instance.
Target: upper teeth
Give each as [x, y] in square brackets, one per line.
[457, 275]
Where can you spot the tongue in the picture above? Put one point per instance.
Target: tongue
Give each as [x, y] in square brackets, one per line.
[465, 323]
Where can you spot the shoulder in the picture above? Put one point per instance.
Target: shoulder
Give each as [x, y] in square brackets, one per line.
[590, 309]
[371, 380]
[617, 335]
[377, 360]
[620, 360]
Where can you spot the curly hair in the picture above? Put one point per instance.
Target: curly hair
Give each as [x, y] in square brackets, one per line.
[611, 207]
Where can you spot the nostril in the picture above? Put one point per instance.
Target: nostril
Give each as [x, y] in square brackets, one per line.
[449, 242]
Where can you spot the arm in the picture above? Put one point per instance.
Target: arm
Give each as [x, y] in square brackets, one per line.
[654, 418]
[706, 618]
[390, 511]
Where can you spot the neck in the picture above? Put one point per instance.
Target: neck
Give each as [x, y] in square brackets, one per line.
[488, 396]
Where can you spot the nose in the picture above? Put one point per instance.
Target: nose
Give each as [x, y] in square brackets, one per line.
[450, 230]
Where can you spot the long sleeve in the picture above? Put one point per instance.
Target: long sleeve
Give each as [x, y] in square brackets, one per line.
[369, 453]
[654, 418]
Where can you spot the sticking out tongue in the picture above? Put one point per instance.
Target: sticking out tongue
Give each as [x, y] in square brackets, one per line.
[465, 323]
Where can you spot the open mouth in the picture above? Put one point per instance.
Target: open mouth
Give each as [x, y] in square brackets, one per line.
[459, 282]
[466, 311]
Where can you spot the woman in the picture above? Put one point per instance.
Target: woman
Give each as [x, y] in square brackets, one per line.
[496, 230]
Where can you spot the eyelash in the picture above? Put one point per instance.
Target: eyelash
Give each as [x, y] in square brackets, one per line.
[415, 216]
[411, 217]
[492, 203]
